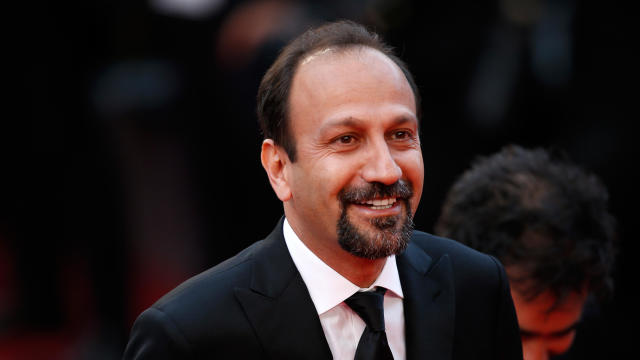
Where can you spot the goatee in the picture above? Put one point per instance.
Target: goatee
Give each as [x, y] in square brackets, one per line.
[390, 234]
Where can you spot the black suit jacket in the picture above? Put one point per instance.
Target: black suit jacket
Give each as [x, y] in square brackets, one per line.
[255, 305]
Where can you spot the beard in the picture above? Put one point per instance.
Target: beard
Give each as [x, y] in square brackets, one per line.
[390, 234]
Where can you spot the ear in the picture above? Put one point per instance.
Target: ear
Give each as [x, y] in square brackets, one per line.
[274, 160]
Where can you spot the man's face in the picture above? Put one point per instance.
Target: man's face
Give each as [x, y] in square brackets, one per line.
[358, 175]
[545, 333]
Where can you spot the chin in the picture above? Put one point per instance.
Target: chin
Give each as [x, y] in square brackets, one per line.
[383, 236]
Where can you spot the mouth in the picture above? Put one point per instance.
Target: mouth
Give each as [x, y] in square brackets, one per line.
[378, 204]
[377, 199]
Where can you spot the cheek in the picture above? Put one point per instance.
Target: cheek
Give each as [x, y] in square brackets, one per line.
[411, 162]
[324, 181]
[413, 170]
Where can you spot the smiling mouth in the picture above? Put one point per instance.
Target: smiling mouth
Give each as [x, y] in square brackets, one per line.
[379, 204]
[377, 196]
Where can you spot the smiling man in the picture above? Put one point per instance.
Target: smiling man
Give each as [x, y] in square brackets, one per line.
[343, 275]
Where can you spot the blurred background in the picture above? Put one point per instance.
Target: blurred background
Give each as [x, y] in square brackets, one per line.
[130, 144]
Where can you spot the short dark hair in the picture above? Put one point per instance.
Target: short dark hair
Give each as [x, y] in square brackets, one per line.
[273, 93]
[538, 211]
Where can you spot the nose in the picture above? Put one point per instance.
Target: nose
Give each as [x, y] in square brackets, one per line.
[380, 164]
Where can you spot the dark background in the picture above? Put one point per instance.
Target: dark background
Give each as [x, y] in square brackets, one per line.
[131, 149]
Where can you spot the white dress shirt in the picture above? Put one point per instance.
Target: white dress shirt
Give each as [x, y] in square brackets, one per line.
[342, 326]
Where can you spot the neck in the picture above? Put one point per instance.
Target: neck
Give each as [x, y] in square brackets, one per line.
[360, 271]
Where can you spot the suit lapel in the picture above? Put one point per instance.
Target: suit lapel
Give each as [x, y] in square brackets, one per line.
[279, 307]
[429, 305]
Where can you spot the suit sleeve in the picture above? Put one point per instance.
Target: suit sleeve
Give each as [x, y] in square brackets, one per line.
[507, 340]
[155, 336]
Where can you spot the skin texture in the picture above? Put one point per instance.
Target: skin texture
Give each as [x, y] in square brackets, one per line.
[545, 333]
[353, 118]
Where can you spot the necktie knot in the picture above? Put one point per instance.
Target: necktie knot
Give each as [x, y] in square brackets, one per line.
[369, 305]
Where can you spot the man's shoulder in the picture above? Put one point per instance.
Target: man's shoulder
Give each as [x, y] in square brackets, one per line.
[213, 285]
[205, 299]
[466, 262]
[477, 286]
[436, 246]
[200, 316]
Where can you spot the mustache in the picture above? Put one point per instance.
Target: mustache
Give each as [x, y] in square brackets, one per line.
[400, 189]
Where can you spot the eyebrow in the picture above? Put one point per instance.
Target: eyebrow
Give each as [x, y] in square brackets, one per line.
[353, 122]
[555, 334]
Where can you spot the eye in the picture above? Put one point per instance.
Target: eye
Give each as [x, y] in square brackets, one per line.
[346, 139]
[401, 135]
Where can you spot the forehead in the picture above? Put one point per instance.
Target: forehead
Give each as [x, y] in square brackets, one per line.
[358, 78]
[355, 60]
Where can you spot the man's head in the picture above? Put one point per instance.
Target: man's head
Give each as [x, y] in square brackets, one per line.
[339, 114]
[274, 91]
[547, 221]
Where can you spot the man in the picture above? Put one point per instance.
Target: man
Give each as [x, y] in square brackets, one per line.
[547, 222]
[343, 274]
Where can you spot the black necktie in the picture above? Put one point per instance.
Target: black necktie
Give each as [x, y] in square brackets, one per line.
[373, 342]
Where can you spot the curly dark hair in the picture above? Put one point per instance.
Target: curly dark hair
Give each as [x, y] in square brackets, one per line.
[273, 93]
[537, 212]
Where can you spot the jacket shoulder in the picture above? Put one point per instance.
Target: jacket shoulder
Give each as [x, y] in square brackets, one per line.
[485, 316]
[214, 281]
[199, 315]
[461, 256]
[473, 272]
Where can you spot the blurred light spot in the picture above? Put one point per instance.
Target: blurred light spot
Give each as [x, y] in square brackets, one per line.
[492, 85]
[552, 47]
[135, 85]
[191, 9]
[521, 12]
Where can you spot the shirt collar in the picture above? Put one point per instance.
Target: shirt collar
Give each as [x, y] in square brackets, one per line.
[326, 286]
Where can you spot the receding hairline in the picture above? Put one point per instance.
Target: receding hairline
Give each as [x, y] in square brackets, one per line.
[341, 51]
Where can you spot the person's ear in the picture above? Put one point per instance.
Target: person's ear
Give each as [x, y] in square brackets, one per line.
[274, 160]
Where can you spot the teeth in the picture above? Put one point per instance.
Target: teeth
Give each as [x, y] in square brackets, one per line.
[378, 204]
[381, 207]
